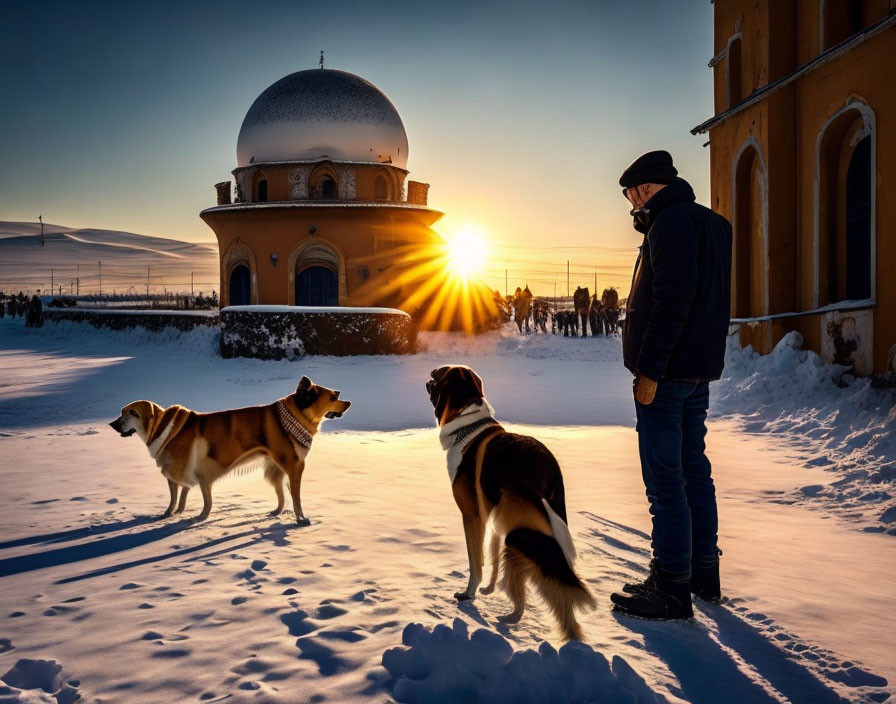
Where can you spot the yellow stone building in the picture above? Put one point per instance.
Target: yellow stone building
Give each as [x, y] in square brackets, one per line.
[802, 149]
[323, 213]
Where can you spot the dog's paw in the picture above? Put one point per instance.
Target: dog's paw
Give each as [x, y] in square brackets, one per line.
[303, 521]
[512, 617]
[463, 596]
[276, 512]
[487, 590]
[165, 515]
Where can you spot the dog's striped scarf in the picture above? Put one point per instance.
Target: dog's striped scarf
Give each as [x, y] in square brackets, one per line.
[293, 427]
[460, 432]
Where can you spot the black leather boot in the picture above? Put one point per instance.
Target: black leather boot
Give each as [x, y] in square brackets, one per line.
[668, 599]
[705, 581]
[646, 585]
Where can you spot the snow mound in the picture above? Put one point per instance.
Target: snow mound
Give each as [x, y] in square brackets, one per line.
[446, 665]
[36, 681]
[842, 423]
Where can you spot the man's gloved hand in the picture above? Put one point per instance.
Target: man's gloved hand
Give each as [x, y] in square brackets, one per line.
[645, 390]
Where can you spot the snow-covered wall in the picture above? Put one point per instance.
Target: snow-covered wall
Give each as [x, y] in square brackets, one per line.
[285, 332]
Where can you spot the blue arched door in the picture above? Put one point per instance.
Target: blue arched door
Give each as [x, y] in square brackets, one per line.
[239, 286]
[316, 286]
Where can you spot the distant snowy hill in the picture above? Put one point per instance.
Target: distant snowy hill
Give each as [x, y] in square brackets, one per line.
[90, 258]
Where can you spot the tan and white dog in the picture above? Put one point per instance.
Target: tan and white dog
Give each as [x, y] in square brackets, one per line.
[512, 482]
[199, 448]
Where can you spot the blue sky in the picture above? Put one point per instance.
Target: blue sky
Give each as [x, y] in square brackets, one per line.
[520, 115]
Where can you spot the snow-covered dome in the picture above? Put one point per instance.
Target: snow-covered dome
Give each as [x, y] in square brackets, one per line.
[322, 113]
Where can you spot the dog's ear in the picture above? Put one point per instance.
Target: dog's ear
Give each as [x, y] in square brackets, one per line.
[305, 393]
[473, 381]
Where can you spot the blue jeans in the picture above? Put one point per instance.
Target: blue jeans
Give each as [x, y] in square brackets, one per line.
[677, 476]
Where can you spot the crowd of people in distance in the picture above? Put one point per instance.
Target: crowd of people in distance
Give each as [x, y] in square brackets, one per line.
[20, 306]
[601, 315]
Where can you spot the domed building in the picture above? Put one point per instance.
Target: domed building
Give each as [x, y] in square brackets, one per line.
[322, 213]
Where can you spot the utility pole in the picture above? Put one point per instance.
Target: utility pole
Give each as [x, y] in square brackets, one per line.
[147, 280]
[51, 281]
[191, 283]
[78, 279]
[41, 218]
[567, 278]
[100, 267]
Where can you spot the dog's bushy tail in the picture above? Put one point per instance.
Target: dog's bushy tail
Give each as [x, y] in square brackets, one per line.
[536, 556]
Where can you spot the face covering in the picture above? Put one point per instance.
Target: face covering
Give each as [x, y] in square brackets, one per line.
[640, 219]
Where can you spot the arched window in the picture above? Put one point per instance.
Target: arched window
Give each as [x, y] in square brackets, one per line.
[840, 19]
[858, 222]
[239, 286]
[262, 191]
[381, 189]
[735, 72]
[748, 299]
[328, 187]
[844, 209]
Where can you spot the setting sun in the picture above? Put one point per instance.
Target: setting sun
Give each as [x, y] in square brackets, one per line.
[467, 252]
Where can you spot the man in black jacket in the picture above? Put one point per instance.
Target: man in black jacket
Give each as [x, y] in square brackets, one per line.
[674, 338]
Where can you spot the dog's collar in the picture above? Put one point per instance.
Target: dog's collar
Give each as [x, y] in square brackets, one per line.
[296, 430]
[462, 434]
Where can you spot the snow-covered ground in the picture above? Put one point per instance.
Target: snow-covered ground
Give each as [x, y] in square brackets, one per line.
[98, 598]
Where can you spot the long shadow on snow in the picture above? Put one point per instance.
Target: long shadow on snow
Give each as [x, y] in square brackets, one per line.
[77, 533]
[709, 674]
[88, 551]
[275, 533]
[782, 671]
[104, 546]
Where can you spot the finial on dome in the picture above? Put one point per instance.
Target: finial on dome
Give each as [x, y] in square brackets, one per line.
[321, 58]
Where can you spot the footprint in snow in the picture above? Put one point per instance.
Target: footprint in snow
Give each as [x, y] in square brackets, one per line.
[297, 623]
[328, 611]
[172, 653]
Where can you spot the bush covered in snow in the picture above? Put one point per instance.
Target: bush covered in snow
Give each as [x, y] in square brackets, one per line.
[279, 332]
[446, 665]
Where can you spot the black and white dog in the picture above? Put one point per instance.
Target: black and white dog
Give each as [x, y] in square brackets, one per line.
[513, 483]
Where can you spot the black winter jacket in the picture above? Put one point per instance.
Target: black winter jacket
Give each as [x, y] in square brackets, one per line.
[678, 310]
